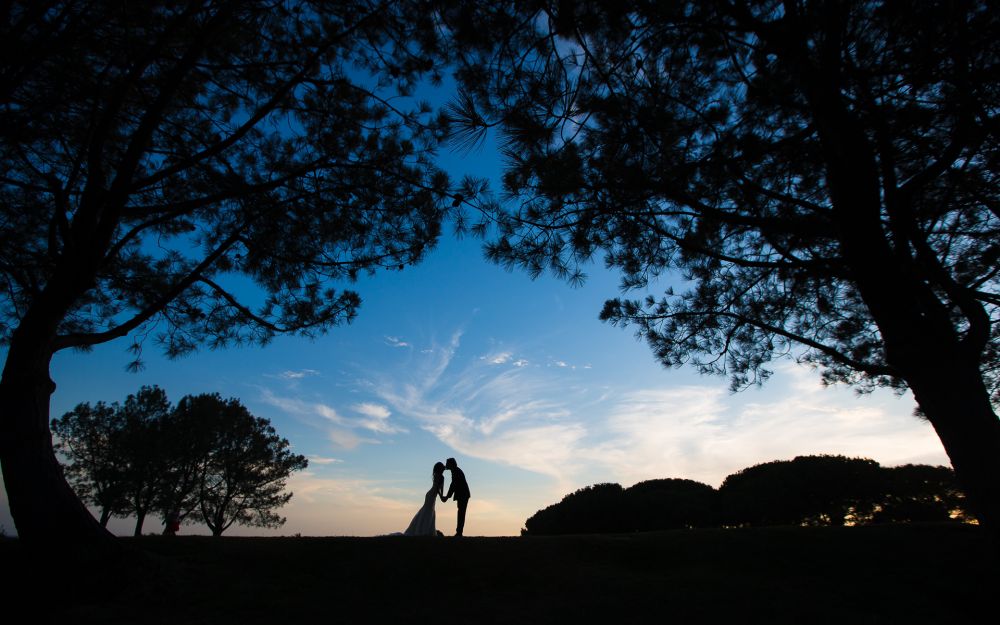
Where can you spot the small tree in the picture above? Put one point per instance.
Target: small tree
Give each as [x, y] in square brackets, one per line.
[207, 456]
[244, 474]
[115, 452]
[182, 437]
[85, 436]
[140, 453]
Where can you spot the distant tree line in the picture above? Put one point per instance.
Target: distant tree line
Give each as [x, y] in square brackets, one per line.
[807, 490]
[207, 459]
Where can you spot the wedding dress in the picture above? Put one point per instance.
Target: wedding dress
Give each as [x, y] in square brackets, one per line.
[423, 523]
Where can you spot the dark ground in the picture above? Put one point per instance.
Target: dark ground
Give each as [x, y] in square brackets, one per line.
[856, 576]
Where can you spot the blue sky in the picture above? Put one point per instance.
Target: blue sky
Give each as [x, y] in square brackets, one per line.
[515, 378]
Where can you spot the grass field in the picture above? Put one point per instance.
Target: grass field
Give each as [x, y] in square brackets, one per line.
[898, 574]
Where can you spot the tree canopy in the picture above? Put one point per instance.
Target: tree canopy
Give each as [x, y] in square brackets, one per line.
[156, 157]
[158, 148]
[814, 179]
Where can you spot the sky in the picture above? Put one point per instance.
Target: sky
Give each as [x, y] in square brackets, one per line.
[517, 379]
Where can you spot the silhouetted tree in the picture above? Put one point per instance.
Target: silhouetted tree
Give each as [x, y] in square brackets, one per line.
[151, 151]
[597, 509]
[86, 437]
[207, 456]
[670, 504]
[807, 490]
[141, 457]
[115, 456]
[822, 174]
[115, 453]
[919, 492]
[243, 479]
[185, 440]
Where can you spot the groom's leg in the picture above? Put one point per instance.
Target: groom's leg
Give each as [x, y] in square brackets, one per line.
[463, 504]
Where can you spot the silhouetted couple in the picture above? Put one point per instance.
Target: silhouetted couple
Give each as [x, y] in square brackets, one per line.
[423, 523]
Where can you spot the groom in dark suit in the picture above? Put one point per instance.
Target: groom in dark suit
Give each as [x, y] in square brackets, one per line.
[460, 489]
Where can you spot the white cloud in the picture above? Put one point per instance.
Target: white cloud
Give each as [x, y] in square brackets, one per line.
[520, 362]
[302, 408]
[376, 418]
[703, 433]
[296, 375]
[395, 341]
[346, 439]
[497, 359]
[375, 411]
[323, 460]
[340, 429]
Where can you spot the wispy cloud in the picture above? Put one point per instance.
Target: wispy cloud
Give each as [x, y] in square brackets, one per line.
[321, 460]
[347, 439]
[512, 415]
[376, 418]
[375, 411]
[536, 419]
[395, 341]
[340, 429]
[297, 375]
[497, 358]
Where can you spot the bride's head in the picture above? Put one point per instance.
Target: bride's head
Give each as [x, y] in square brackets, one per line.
[438, 469]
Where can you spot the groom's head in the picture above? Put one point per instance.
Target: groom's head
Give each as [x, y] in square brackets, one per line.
[450, 464]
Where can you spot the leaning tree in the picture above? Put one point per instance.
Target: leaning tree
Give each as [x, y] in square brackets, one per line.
[820, 176]
[154, 156]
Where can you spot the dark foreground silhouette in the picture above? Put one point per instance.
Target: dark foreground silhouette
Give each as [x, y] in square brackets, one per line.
[807, 490]
[929, 573]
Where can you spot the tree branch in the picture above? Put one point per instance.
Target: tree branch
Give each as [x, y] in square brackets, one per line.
[79, 340]
[280, 93]
[871, 369]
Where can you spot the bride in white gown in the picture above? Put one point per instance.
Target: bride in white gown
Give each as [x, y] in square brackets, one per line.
[423, 523]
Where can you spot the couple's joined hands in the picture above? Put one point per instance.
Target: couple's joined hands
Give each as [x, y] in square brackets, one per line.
[444, 498]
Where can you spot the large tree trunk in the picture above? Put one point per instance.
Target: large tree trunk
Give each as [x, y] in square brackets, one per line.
[957, 403]
[921, 339]
[44, 507]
